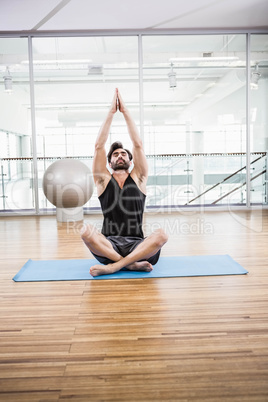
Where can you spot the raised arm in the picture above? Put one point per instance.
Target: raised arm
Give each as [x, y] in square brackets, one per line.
[100, 172]
[140, 163]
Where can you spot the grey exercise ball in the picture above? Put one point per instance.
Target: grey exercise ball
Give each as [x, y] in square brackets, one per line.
[68, 183]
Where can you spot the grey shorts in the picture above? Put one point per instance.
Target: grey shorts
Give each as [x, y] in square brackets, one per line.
[124, 246]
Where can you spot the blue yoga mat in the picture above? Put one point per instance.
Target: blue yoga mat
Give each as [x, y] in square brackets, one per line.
[75, 270]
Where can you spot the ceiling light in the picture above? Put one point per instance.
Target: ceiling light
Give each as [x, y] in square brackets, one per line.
[172, 78]
[8, 82]
[95, 69]
[255, 76]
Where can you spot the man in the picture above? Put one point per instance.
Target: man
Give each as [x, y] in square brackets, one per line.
[122, 197]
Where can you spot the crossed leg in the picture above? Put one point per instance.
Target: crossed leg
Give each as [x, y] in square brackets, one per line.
[136, 260]
[98, 244]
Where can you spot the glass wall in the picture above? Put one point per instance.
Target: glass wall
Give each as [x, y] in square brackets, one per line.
[74, 80]
[16, 187]
[259, 118]
[195, 105]
[195, 113]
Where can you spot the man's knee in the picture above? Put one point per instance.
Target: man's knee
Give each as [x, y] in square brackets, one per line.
[88, 233]
[160, 237]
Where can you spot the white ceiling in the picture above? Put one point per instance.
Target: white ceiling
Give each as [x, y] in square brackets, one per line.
[67, 94]
[56, 15]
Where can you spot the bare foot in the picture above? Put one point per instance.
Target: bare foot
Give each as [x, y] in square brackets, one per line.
[140, 266]
[97, 270]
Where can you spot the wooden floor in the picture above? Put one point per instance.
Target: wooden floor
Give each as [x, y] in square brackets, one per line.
[167, 339]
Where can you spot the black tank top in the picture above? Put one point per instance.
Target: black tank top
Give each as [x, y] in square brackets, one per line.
[122, 209]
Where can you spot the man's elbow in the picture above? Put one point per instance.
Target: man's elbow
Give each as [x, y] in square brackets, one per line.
[99, 146]
[138, 144]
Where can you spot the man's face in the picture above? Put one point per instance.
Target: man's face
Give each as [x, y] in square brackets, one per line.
[120, 160]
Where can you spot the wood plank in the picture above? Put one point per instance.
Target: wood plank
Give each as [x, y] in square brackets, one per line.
[198, 338]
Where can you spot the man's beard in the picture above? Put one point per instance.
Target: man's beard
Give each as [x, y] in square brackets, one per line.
[120, 166]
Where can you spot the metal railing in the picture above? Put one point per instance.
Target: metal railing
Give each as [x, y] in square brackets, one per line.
[226, 179]
[174, 180]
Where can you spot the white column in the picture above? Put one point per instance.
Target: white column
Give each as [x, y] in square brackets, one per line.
[198, 162]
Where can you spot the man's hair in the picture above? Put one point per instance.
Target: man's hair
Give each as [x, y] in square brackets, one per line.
[115, 146]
